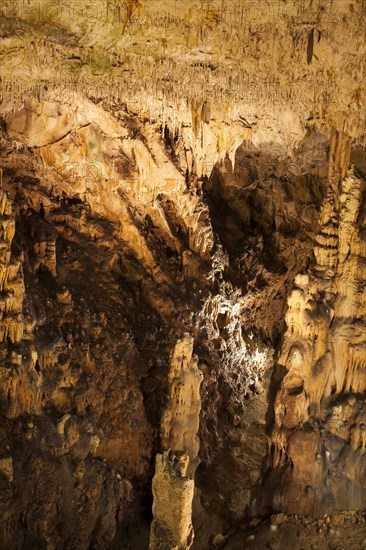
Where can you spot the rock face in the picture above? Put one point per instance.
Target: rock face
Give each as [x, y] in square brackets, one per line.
[318, 444]
[169, 169]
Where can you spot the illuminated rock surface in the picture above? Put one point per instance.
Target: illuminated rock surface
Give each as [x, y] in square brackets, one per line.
[172, 169]
[173, 483]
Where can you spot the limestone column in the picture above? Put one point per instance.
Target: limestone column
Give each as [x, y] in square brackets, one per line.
[173, 483]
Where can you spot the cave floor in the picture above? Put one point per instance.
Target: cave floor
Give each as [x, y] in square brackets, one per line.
[344, 531]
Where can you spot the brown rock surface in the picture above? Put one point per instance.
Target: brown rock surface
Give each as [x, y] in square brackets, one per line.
[317, 447]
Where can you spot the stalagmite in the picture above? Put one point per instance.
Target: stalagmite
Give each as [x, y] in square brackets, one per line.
[173, 483]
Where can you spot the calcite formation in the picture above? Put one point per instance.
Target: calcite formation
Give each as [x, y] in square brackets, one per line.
[173, 493]
[316, 446]
[173, 483]
[180, 422]
[171, 169]
[11, 278]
